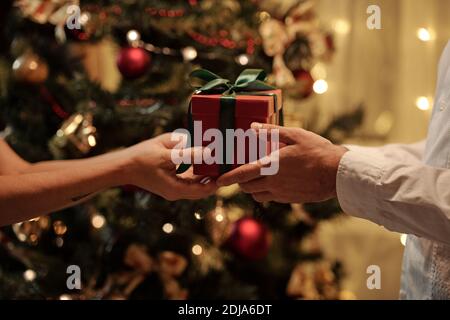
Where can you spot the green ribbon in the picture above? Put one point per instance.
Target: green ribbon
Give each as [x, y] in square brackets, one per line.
[250, 80]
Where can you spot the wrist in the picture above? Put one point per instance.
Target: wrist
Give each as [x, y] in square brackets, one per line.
[124, 168]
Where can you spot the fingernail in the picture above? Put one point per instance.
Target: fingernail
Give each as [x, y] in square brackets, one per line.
[205, 180]
[256, 125]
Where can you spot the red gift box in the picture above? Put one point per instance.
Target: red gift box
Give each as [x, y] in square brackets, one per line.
[263, 107]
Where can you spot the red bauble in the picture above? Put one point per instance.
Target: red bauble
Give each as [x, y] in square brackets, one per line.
[304, 82]
[133, 62]
[249, 239]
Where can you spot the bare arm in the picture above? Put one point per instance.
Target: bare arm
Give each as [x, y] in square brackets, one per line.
[28, 190]
[23, 196]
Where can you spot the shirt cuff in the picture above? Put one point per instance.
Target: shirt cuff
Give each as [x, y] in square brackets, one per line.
[359, 175]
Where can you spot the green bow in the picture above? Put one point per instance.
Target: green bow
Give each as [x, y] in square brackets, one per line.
[250, 81]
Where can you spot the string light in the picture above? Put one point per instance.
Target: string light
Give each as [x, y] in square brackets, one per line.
[29, 275]
[424, 34]
[167, 228]
[320, 86]
[84, 18]
[189, 53]
[133, 36]
[33, 65]
[198, 215]
[423, 103]
[65, 297]
[242, 59]
[92, 141]
[197, 250]
[342, 26]
[98, 221]
[59, 227]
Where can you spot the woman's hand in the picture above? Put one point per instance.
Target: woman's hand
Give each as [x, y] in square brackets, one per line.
[151, 168]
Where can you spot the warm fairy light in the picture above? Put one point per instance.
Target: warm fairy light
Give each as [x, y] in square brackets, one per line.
[342, 26]
[92, 141]
[403, 238]
[198, 215]
[33, 65]
[219, 217]
[242, 59]
[189, 53]
[320, 86]
[133, 36]
[59, 227]
[29, 275]
[197, 250]
[424, 34]
[423, 103]
[98, 221]
[84, 18]
[167, 228]
[16, 64]
[65, 297]
[73, 125]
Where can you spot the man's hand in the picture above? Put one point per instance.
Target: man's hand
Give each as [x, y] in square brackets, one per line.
[308, 166]
[152, 169]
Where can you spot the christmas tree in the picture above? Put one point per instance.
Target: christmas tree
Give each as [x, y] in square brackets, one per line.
[130, 244]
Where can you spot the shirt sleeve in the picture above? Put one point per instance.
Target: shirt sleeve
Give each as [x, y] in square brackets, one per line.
[393, 188]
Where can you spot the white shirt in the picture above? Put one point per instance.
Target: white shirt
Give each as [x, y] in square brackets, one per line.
[406, 188]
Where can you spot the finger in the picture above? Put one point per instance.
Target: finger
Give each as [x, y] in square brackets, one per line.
[242, 174]
[190, 176]
[257, 185]
[188, 189]
[262, 196]
[173, 139]
[285, 135]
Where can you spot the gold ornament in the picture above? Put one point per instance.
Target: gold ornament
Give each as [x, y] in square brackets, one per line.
[77, 131]
[30, 68]
[31, 231]
[277, 36]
